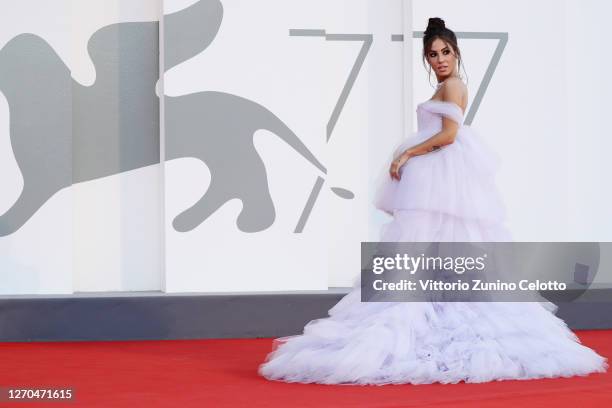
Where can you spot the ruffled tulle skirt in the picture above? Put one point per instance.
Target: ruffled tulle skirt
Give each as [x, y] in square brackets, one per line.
[420, 343]
[448, 195]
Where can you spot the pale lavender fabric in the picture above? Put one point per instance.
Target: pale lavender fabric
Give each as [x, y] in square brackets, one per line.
[457, 179]
[446, 195]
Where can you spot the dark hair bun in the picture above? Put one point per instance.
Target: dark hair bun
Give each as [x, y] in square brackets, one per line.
[435, 24]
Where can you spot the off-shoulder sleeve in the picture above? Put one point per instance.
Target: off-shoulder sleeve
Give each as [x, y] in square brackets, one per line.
[448, 109]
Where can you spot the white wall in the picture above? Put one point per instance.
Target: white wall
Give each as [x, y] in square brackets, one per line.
[300, 80]
[588, 99]
[38, 257]
[99, 235]
[117, 219]
[105, 234]
[542, 113]
[588, 89]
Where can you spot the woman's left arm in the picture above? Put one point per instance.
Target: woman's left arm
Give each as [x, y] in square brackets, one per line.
[444, 137]
[452, 92]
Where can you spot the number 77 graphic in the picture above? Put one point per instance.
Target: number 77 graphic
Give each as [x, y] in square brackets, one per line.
[366, 40]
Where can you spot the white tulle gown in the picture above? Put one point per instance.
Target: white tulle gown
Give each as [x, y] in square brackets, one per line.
[446, 195]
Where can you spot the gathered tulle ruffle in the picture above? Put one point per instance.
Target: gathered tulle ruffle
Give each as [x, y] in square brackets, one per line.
[458, 179]
[430, 226]
[421, 343]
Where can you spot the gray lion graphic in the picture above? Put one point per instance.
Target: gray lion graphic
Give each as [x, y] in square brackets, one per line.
[63, 132]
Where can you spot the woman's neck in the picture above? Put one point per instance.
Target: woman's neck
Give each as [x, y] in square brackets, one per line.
[442, 79]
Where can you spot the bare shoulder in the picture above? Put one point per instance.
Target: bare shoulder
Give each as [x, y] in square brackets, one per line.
[454, 86]
[455, 90]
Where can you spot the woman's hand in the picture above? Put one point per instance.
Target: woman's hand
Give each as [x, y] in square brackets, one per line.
[397, 163]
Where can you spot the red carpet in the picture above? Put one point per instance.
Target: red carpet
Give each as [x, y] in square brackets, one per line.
[222, 373]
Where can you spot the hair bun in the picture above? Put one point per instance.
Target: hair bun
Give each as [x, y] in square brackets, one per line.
[435, 24]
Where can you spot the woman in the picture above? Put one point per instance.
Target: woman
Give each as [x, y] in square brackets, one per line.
[440, 189]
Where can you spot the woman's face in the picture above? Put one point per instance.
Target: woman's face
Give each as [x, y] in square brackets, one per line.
[442, 58]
